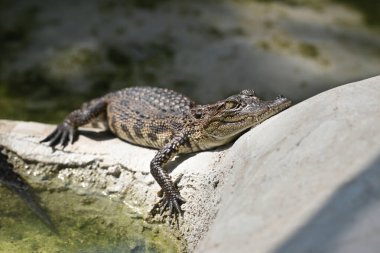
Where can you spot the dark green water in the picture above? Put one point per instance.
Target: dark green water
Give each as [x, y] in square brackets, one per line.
[85, 224]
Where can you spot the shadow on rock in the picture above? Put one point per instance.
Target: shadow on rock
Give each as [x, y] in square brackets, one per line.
[349, 214]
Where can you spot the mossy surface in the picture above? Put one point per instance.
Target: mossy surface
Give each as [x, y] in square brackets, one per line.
[285, 44]
[85, 224]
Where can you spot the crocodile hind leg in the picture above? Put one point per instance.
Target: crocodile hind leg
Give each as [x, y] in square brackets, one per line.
[66, 131]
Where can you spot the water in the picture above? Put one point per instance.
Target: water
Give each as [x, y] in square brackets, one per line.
[85, 224]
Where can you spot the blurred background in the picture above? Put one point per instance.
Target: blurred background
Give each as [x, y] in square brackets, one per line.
[57, 54]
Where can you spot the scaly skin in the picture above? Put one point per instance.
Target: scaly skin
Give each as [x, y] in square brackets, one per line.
[170, 122]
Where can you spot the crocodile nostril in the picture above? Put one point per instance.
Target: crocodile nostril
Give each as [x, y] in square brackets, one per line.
[280, 96]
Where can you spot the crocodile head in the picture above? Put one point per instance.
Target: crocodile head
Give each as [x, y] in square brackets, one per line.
[227, 118]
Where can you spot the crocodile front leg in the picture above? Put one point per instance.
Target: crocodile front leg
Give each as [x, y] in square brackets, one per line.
[66, 131]
[171, 199]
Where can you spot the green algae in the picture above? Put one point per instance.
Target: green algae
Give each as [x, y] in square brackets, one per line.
[286, 44]
[308, 50]
[85, 223]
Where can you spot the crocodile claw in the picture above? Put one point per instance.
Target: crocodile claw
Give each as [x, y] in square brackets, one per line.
[172, 203]
[62, 135]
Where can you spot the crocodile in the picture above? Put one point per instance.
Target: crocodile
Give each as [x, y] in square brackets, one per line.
[14, 182]
[170, 122]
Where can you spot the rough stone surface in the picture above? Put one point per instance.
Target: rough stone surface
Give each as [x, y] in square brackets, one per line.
[308, 181]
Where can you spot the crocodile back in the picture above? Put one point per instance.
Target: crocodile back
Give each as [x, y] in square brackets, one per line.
[148, 116]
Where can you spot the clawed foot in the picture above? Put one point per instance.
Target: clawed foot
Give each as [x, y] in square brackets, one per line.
[61, 136]
[171, 202]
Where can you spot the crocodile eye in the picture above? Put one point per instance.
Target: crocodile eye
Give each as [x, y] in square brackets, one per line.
[231, 105]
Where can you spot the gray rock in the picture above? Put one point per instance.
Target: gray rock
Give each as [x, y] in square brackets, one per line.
[306, 180]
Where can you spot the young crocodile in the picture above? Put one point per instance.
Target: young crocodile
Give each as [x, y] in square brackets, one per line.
[170, 122]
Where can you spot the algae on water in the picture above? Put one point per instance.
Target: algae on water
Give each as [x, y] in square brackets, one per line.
[85, 224]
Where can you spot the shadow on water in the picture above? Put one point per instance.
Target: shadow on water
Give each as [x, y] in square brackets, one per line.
[86, 223]
[339, 222]
[15, 183]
